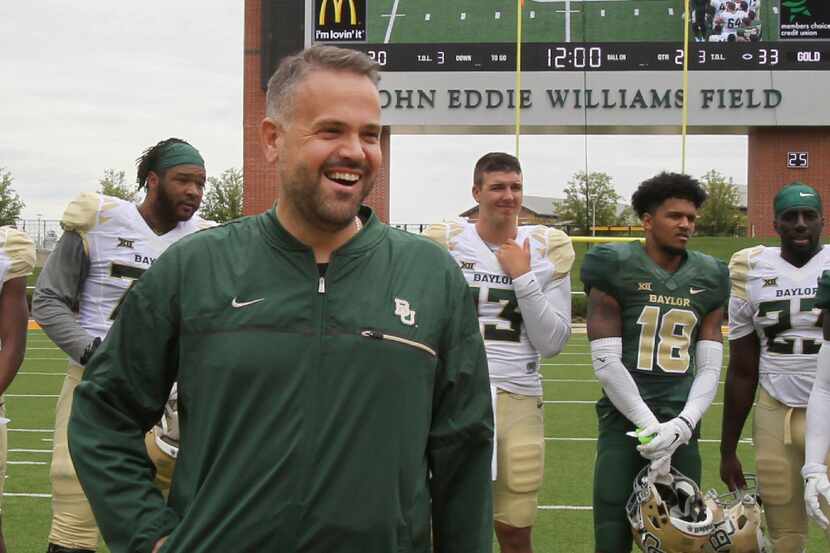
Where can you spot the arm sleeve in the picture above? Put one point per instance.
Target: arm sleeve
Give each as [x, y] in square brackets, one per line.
[619, 386]
[461, 434]
[818, 413]
[708, 359]
[122, 395]
[546, 313]
[57, 292]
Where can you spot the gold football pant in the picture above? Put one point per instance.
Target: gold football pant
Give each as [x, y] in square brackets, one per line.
[520, 452]
[778, 434]
[73, 524]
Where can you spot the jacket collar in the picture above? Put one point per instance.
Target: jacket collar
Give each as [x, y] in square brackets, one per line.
[372, 232]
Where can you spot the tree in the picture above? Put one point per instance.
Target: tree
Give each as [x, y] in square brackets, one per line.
[223, 199]
[720, 214]
[114, 183]
[589, 200]
[10, 203]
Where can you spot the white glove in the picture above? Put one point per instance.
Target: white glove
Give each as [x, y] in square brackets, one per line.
[659, 470]
[817, 485]
[666, 438]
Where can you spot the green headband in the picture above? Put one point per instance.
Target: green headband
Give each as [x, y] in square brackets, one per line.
[179, 153]
[796, 195]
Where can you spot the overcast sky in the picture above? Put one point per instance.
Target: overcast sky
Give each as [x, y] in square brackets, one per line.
[88, 85]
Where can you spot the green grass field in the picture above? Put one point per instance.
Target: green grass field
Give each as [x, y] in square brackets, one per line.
[564, 522]
[425, 21]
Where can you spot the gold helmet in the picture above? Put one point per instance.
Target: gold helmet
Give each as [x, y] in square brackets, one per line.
[669, 518]
[739, 521]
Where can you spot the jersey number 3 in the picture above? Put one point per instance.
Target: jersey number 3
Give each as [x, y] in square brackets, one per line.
[670, 334]
[509, 314]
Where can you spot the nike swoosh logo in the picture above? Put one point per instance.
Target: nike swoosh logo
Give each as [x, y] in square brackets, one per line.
[238, 304]
[676, 437]
[803, 195]
[696, 290]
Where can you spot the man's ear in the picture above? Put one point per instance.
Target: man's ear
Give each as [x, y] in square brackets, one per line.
[153, 182]
[271, 134]
[476, 193]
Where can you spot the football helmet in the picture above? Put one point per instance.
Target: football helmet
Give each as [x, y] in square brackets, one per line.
[669, 518]
[739, 521]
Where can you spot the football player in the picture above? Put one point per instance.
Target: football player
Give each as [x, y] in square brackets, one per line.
[654, 324]
[519, 277]
[107, 244]
[17, 259]
[730, 21]
[817, 448]
[774, 339]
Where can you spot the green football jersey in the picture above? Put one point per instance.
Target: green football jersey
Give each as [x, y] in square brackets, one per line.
[661, 313]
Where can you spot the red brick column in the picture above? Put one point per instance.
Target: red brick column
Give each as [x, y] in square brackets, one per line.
[768, 172]
[261, 180]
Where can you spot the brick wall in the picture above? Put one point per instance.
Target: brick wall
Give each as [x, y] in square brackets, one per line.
[261, 180]
[768, 172]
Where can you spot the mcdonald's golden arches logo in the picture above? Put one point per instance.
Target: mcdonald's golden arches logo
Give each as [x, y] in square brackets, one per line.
[337, 7]
[340, 21]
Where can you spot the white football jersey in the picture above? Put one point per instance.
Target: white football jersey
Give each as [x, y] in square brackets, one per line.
[731, 21]
[511, 357]
[120, 246]
[17, 255]
[777, 301]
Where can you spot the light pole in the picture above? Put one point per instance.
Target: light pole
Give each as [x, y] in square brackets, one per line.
[594, 216]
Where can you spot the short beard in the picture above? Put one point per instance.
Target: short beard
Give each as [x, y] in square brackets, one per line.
[304, 192]
[165, 206]
[671, 250]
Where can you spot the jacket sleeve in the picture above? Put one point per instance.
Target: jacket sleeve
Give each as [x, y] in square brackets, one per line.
[122, 394]
[461, 435]
[58, 292]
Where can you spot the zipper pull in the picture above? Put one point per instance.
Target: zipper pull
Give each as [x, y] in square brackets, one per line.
[372, 333]
[321, 287]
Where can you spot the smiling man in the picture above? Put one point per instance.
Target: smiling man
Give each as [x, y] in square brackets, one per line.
[654, 319]
[774, 339]
[107, 244]
[332, 380]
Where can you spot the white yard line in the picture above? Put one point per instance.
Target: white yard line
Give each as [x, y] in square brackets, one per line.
[391, 24]
[33, 396]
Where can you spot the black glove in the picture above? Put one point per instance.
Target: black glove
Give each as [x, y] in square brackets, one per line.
[90, 349]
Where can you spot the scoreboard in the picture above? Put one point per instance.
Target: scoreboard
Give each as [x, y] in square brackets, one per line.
[600, 56]
[587, 65]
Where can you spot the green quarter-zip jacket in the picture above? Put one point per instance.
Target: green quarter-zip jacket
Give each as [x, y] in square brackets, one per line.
[344, 413]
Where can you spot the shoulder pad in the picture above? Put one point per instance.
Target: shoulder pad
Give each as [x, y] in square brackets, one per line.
[443, 233]
[87, 210]
[21, 253]
[557, 248]
[202, 224]
[599, 267]
[739, 267]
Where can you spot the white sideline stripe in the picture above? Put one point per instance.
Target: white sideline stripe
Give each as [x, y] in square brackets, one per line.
[25, 396]
[26, 463]
[45, 359]
[30, 451]
[565, 508]
[31, 430]
[41, 374]
[39, 495]
[43, 348]
[566, 364]
[391, 22]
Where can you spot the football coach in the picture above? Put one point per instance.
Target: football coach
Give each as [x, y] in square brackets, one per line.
[333, 388]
